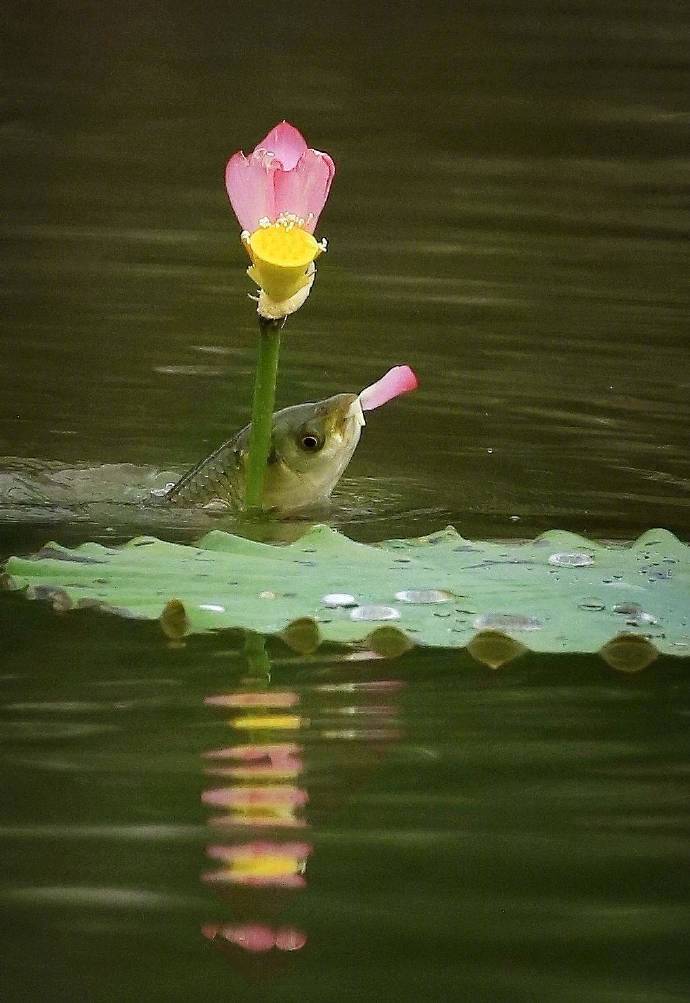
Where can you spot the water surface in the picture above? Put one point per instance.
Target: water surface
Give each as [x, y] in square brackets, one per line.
[509, 217]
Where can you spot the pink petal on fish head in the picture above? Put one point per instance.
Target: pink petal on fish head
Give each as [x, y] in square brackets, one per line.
[398, 380]
[286, 143]
[250, 186]
[304, 190]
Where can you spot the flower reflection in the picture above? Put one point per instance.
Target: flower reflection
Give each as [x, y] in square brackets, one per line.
[253, 700]
[281, 761]
[256, 937]
[274, 804]
[258, 865]
[274, 721]
[280, 865]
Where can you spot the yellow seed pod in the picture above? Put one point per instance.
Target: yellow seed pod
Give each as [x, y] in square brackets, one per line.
[281, 259]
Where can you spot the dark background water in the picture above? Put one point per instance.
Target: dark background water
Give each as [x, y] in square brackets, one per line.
[509, 216]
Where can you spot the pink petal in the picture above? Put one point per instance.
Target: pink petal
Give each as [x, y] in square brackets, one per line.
[250, 188]
[398, 380]
[286, 143]
[304, 189]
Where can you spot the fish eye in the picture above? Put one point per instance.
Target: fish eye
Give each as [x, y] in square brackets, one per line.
[311, 443]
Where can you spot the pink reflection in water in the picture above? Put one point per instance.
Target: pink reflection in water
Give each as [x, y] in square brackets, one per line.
[259, 848]
[278, 752]
[274, 818]
[262, 699]
[259, 761]
[273, 795]
[269, 805]
[256, 938]
[290, 939]
[256, 875]
[261, 864]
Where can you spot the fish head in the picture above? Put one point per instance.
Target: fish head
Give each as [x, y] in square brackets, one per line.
[311, 445]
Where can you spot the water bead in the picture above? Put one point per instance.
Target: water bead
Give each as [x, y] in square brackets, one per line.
[627, 609]
[423, 596]
[592, 603]
[162, 492]
[571, 559]
[216, 506]
[375, 613]
[506, 621]
[637, 616]
[334, 600]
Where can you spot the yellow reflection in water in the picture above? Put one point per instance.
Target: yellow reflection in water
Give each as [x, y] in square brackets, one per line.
[265, 794]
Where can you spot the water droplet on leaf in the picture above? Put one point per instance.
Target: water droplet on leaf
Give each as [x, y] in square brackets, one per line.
[423, 596]
[338, 599]
[591, 603]
[506, 621]
[375, 613]
[162, 492]
[571, 559]
[627, 609]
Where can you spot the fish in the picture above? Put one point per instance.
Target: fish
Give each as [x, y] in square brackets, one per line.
[311, 447]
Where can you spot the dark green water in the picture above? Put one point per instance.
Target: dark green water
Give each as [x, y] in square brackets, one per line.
[510, 218]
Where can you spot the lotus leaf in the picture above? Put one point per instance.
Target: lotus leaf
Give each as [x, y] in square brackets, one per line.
[558, 593]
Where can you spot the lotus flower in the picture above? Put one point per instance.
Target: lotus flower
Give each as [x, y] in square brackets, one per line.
[277, 194]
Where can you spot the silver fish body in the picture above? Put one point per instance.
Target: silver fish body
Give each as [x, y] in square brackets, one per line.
[311, 445]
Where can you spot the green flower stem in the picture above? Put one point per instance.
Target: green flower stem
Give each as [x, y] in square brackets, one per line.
[258, 662]
[262, 410]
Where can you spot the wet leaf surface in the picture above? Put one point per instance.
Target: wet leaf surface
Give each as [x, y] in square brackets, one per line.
[452, 592]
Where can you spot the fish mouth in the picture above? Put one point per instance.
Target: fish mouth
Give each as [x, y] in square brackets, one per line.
[343, 414]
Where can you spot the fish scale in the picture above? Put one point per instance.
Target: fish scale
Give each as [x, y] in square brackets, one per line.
[217, 476]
